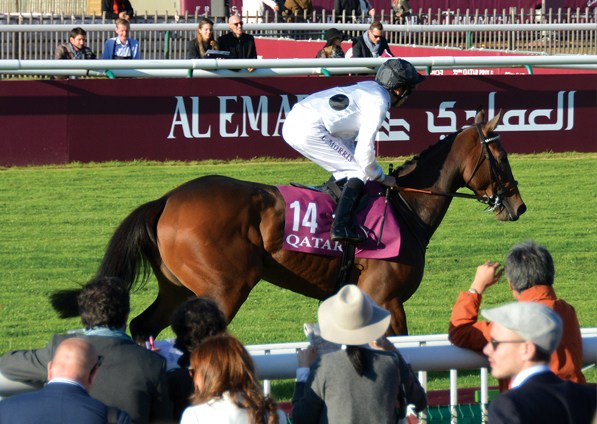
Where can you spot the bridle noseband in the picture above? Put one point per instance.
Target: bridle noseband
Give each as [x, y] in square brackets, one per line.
[498, 189]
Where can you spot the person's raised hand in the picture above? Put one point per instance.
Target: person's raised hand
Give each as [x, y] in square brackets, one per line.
[486, 276]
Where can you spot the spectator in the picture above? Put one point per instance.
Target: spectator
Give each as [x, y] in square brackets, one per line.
[118, 9]
[254, 10]
[353, 6]
[121, 47]
[333, 45]
[530, 273]
[227, 390]
[194, 321]
[74, 49]
[203, 41]
[359, 384]
[371, 43]
[131, 378]
[66, 397]
[239, 44]
[524, 335]
[401, 9]
[325, 126]
[297, 6]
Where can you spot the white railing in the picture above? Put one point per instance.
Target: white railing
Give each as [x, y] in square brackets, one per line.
[270, 67]
[426, 353]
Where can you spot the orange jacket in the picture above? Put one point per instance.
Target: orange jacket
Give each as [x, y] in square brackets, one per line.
[566, 362]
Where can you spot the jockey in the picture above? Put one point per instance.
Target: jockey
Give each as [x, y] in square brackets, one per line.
[324, 127]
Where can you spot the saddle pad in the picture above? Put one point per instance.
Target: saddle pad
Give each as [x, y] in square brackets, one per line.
[309, 219]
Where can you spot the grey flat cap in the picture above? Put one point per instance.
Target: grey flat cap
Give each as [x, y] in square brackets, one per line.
[532, 321]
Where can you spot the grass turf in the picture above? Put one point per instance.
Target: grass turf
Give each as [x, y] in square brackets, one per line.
[57, 220]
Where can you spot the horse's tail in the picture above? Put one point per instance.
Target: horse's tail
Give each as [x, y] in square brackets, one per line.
[129, 255]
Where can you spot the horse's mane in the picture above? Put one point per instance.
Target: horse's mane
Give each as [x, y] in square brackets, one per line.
[411, 163]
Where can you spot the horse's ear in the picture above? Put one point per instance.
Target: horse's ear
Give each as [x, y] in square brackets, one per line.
[480, 116]
[494, 122]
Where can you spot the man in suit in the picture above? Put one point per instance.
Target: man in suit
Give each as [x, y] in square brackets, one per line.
[131, 378]
[371, 43]
[523, 337]
[66, 398]
[239, 44]
[121, 47]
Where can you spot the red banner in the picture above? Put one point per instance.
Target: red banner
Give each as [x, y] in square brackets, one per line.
[46, 122]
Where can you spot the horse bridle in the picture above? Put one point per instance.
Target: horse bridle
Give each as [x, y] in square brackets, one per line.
[495, 200]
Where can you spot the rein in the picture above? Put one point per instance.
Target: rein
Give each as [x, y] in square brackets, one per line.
[494, 201]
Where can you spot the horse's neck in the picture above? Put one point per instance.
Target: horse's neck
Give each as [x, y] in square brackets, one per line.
[438, 171]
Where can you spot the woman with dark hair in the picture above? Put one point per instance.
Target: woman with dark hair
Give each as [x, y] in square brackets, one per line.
[226, 388]
[360, 383]
[194, 321]
[333, 47]
[203, 41]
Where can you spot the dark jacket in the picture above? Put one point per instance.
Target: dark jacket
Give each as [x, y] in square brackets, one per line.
[545, 398]
[108, 7]
[57, 403]
[239, 48]
[349, 6]
[193, 51]
[64, 51]
[360, 49]
[131, 377]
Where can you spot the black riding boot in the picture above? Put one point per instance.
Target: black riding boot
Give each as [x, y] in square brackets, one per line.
[344, 227]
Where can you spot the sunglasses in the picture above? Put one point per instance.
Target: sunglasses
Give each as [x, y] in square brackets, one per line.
[496, 343]
[238, 24]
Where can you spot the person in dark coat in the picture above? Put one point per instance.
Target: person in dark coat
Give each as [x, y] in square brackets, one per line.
[131, 378]
[193, 322]
[239, 44]
[118, 9]
[333, 47]
[65, 399]
[203, 41]
[371, 43]
[523, 337]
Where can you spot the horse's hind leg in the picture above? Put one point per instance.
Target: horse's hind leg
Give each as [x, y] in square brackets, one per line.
[157, 316]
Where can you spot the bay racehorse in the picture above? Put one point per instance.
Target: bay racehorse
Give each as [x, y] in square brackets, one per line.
[217, 237]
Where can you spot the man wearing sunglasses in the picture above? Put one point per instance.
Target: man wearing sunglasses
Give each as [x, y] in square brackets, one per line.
[239, 44]
[371, 43]
[65, 398]
[325, 126]
[523, 337]
[530, 272]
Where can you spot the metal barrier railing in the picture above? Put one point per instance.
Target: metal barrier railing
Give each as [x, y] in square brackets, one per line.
[172, 43]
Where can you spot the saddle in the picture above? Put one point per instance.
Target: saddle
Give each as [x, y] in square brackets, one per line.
[333, 188]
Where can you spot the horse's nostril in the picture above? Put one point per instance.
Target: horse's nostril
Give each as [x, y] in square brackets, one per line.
[521, 209]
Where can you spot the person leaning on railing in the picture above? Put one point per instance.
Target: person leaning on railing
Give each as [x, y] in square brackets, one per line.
[530, 272]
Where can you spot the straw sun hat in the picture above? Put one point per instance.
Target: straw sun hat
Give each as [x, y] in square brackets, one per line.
[351, 318]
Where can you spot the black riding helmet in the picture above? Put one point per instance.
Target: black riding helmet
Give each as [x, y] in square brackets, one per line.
[396, 73]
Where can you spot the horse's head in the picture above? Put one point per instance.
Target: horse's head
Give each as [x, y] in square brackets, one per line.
[488, 173]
